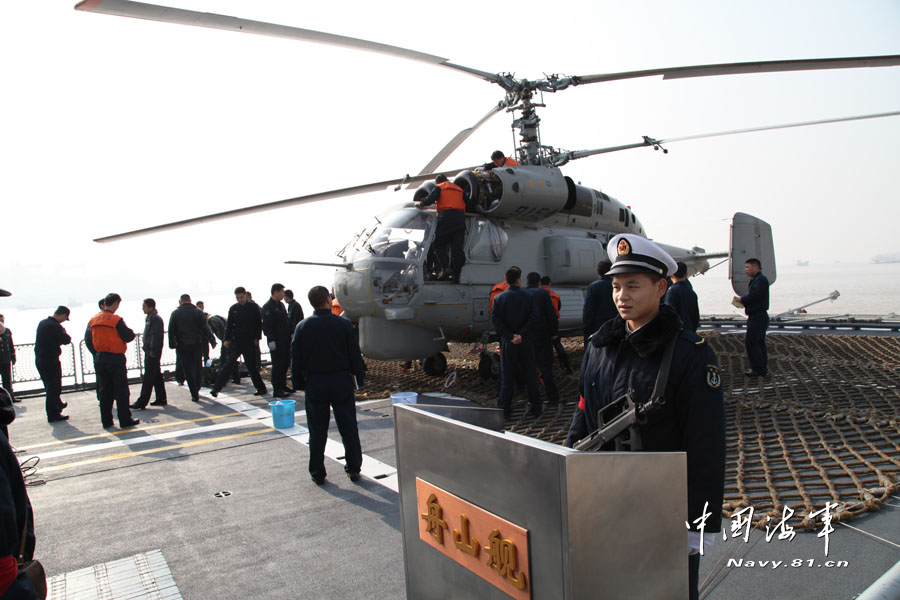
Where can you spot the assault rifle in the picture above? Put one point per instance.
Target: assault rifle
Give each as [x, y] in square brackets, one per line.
[618, 421]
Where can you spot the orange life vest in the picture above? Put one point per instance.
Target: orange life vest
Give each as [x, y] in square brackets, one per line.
[336, 307]
[104, 336]
[451, 197]
[497, 289]
[510, 162]
[554, 297]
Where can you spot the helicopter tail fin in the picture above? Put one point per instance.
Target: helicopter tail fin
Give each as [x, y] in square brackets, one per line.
[751, 237]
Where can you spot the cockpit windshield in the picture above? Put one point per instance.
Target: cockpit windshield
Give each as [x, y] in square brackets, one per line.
[400, 234]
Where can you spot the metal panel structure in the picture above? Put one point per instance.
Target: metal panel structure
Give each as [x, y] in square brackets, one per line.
[750, 238]
[600, 525]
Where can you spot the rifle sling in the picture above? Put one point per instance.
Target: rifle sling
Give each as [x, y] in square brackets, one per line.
[662, 377]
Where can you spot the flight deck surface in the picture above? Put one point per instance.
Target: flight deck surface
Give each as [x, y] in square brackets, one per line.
[209, 500]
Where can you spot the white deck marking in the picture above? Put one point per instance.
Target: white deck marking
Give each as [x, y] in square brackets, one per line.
[143, 439]
[142, 576]
[379, 472]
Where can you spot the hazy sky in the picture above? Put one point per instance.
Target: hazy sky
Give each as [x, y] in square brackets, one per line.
[109, 124]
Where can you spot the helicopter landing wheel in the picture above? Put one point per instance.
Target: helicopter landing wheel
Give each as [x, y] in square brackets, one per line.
[435, 365]
[488, 367]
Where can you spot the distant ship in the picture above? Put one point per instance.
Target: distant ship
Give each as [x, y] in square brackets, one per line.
[802, 263]
[887, 258]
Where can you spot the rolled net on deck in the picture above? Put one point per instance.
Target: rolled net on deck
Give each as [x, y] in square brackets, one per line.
[823, 428]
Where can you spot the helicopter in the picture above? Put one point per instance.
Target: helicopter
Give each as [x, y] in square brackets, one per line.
[530, 215]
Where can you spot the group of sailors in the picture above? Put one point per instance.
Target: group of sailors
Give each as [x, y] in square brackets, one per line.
[538, 324]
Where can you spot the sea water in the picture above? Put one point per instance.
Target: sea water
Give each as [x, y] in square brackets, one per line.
[865, 289]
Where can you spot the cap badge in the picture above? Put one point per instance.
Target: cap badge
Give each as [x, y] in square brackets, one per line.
[623, 247]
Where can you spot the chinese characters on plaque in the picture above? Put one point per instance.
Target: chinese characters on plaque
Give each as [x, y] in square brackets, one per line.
[489, 546]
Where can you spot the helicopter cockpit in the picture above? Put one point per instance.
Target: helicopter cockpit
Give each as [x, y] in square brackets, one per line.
[393, 253]
[400, 233]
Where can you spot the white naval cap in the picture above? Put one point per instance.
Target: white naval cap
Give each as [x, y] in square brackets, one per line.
[630, 253]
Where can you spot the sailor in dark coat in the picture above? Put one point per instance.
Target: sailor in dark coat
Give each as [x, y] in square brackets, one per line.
[243, 330]
[16, 517]
[152, 345]
[188, 334]
[598, 304]
[756, 306]
[625, 355]
[49, 338]
[515, 318]
[7, 357]
[327, 364]
[546, 330]
[277, 327]
[294, 310]
[682, 298]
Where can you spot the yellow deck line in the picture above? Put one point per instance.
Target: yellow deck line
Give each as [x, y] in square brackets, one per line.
[107, 434]
[152, 450]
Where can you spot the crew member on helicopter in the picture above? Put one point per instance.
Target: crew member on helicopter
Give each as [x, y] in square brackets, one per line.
[624, 359]
[450, 232]
[498, 159]
[490, 183]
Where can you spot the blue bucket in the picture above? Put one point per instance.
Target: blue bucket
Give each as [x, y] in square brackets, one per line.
[282, 413]
[404, 397]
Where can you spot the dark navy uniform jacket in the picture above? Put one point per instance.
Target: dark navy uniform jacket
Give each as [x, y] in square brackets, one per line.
[49, 337]
[757, 299]
[152, 342]
[295, 314]
[325, 344]
[692, 418]
[7, 348]
[598, 305]
[548, 322]
[188, 327]
[15, 508]
[275, 322]
[244, 323]
[683, 299]
[515, 311]
[217, 326]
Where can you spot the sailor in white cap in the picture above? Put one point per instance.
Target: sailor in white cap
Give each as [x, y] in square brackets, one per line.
[625, 357]
[631, 253]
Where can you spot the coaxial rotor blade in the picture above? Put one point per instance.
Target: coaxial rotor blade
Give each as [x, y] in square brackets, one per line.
[648, 141]
[237, 212]
[773, 66]
[784, 126]
[165, 14]
[460, 137]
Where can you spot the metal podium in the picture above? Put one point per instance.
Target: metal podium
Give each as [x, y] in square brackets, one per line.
[489, 514]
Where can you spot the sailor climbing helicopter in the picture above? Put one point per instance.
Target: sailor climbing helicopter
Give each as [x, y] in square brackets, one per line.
[531, 215]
